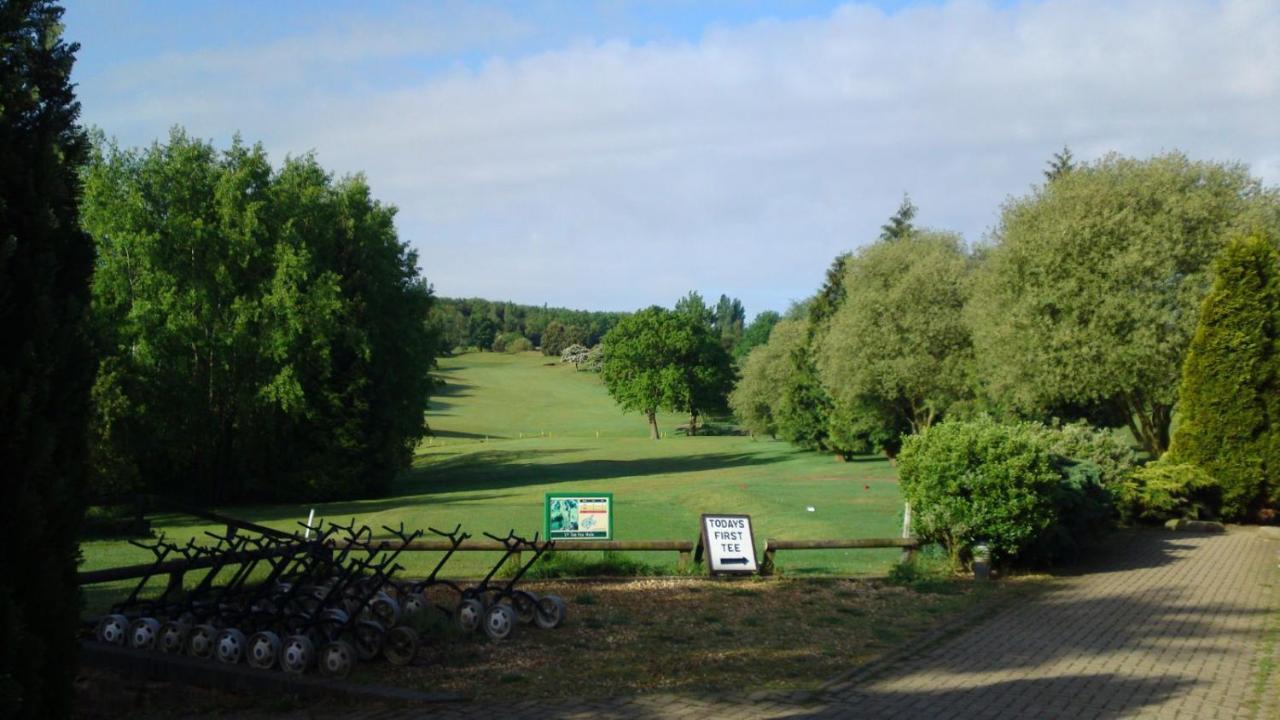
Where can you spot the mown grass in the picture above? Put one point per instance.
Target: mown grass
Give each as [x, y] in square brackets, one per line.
[509, 428]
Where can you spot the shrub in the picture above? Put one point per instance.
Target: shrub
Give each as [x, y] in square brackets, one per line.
[594, 360]
[1114, 459]
[1166, 489]
[519, 345]
[575, 353]
[979, 480]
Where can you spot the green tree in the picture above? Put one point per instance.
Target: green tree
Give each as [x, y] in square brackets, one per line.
[1229, 403]
[557, 336]
[263, 333]
[899, 225]
[46, 364]
[1090, 292]
[756, 334]
[696, 308]
[481, 330]
[730, 317]
[1060, 164]
[897, 355]
[657, 359]
[765, 373]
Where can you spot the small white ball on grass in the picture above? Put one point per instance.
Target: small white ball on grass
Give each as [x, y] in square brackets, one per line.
[808, 508]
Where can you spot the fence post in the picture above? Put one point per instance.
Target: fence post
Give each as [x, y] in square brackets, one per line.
[174, 588]
[907, 553]
[682, 565]
[766, 565]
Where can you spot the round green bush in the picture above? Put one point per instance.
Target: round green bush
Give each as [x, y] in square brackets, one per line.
[980, 481]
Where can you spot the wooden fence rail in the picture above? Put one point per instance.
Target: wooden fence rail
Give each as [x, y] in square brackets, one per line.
[772, 546]
[177, 568]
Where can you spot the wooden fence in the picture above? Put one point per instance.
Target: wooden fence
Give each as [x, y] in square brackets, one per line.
[688, 552]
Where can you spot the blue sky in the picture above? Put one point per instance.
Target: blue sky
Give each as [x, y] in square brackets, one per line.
[616, 154]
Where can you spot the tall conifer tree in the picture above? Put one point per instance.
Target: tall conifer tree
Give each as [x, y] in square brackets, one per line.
[46, 366]
[1229, 408]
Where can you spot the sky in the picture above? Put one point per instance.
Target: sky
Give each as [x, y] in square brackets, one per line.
[612, 155]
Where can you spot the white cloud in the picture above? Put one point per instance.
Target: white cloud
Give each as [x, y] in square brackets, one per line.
[613, 175]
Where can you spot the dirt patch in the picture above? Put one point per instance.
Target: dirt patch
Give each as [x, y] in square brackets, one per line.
[673, 635]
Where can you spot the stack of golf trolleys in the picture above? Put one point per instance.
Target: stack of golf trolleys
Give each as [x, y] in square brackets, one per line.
[323, 600]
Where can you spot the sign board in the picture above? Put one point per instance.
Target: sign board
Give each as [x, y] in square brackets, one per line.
[729, 544]
[578, 516]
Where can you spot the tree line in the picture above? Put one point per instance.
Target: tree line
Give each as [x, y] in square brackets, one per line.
[488, 325]
[1082, 304]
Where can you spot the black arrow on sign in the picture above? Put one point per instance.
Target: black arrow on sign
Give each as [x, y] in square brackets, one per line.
[733, 561]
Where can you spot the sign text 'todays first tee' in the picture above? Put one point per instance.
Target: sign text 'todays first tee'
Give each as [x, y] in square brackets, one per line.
[728, 543]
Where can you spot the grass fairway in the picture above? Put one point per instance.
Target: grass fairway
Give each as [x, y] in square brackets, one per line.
[509, 428]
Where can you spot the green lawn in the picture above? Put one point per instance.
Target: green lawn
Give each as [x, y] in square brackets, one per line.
[510, 428]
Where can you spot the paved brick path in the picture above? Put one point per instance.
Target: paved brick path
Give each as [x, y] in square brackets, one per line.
[1163, 625]
[1167, 626]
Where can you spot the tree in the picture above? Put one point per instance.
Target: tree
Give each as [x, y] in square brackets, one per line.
[708, 373]
[899, 225]
[263, 333]
[696, 308]
[46, 363]
[1090, 292]
[481, 331]
[1229, 403]
[730, 316]
[557, 336]
[657, 359]
[756, 334]
[758, 394]
[1061, 164]
[897, 355]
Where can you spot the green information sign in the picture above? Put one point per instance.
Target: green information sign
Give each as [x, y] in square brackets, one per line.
[579, 516]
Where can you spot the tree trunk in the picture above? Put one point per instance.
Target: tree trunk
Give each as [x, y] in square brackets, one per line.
[693, 423]
[1150, 426]
[653, 424]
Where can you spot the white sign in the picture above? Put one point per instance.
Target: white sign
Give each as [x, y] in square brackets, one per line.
[728, 542]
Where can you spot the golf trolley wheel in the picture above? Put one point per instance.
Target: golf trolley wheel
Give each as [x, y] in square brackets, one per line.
[550, 613]
[412, 605]
[401, 645]
[264, 648]
[173, 637]
[331, 621]
[385, 609]
[337, 659]
[297, 654]
[200, 644]
[499, 622]
[470, 614]
[112, 629]
[367, 638]
[229, 646]
[143, 633]
[525, 604]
